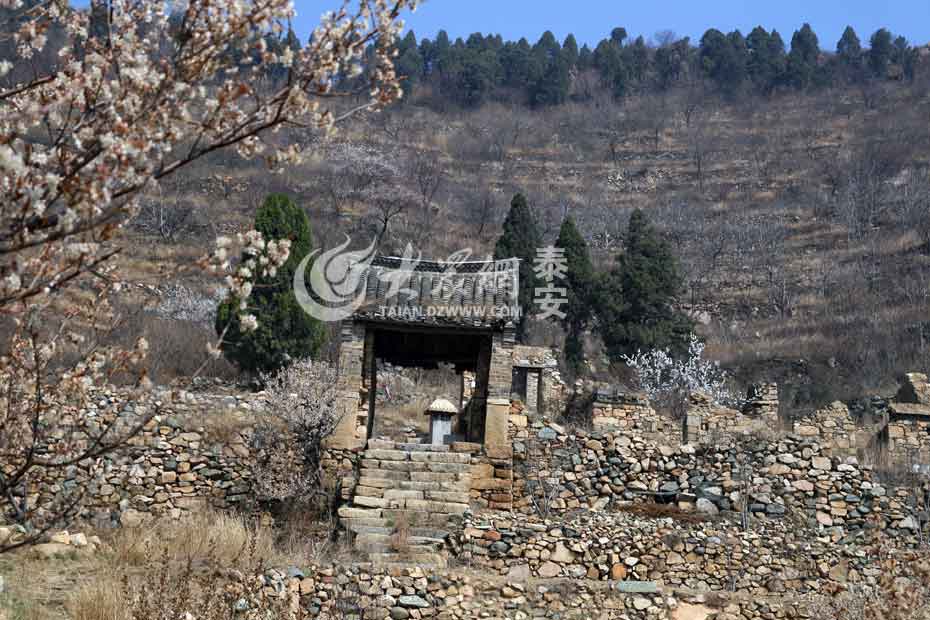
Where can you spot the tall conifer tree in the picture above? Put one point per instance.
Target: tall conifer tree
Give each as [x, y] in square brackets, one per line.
[636, 298]
[520, 239]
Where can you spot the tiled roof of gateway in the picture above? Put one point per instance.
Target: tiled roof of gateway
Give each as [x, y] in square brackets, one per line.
[479, 294]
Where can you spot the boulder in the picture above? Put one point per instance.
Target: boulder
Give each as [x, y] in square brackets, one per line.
[706, 507]
[549, 570]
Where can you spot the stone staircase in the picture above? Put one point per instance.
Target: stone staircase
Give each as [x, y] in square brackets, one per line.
[407, 497]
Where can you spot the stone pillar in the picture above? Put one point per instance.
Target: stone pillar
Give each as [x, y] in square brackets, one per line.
[350, 432]
[475, 415]
[532, 390]
[497, 444]
[542, 388]
[500, 373]
[762, 403]
[691, 428]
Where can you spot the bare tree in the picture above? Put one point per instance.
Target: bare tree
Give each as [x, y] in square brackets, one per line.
[703, 144]
[427, 172]
[166, 215]
[301, 412]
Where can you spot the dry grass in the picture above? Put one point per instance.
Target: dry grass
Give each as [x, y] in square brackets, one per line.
[33, 588]
[177, 561]
[103, 598]
[206, 538]
[221, 425]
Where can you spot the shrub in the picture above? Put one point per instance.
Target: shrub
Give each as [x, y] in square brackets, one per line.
[301, 413]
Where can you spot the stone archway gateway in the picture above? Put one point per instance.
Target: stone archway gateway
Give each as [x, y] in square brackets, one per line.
[422, 313]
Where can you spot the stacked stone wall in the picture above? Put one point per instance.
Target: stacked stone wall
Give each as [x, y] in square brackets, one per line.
[790, 477]
[192, 454]
[713, 555]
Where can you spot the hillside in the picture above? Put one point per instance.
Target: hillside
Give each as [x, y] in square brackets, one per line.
[800, 220]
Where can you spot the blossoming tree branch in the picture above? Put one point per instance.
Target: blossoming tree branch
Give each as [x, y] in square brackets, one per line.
[135, 91]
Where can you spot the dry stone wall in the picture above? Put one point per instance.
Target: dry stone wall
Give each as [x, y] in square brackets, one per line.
[192, 453]
[707, 556]
[474, 590]
[373, 592]
[557, 469]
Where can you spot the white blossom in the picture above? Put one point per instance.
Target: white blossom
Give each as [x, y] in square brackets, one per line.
[248, 322]
[660, 374]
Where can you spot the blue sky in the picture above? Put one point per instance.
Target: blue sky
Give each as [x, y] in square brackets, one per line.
[592, 20]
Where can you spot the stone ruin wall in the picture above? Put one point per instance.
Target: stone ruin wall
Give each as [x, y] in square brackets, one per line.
[192, 454]
[701, 556]
[895, 433]
[189, 457]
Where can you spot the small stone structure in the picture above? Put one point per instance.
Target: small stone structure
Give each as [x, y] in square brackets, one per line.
[535, 380]
[630, 412]
[894, 433]
[706, 421]
[456, 313]
[440, 413]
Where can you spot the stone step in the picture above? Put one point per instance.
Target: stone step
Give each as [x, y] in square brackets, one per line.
[355, 526]
[440, 457]
[381, 538]
[463, 476]
[377, 488]
[417, 518]
[349, 512]
[384, 484]
[421, 447]
[401, 467]
[381, 444]
[352, 524]
[454, 497]
[363, 501]
[413, 550]
[408, 446]
[387, 455]
[406, 494]
[410, 467]
[439, 506]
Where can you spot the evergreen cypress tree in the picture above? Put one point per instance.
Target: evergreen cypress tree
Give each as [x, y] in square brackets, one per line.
[580, 282]
[409, 62]
[881, 50]
[802, 60]
[849, 48]
[570, 50]
[284, 331]
[520, 239]
[585, 57]
[636, 297]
